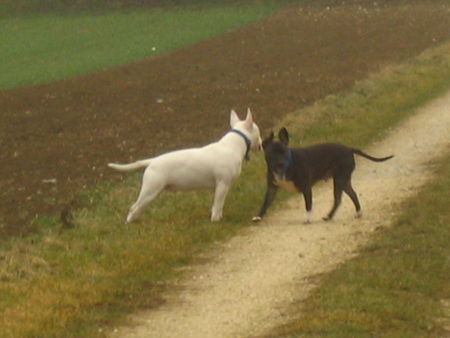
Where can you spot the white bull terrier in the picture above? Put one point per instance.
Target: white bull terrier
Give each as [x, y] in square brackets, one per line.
[215, 165]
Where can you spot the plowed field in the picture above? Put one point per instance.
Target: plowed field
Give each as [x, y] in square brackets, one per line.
[55, 139]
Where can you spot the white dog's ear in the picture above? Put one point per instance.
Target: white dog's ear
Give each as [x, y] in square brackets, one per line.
[249, 120]
[233, 118]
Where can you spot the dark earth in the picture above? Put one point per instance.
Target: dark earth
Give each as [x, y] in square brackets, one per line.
[55, 139]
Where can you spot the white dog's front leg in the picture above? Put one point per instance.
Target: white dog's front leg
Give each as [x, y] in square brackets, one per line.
[219, 200]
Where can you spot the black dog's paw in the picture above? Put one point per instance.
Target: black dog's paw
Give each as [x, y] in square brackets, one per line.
[326, 218]
[256, 219]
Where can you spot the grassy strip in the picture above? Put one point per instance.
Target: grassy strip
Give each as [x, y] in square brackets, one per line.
[17, 7]
[396, 287]
[75, 282]
[48, 47]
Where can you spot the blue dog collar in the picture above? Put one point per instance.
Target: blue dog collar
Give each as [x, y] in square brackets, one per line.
[247, 142]
[288, 162]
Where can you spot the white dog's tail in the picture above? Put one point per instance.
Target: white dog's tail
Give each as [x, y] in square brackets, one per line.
[130, 166]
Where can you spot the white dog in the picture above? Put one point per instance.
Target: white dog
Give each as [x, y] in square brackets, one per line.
[215, 165]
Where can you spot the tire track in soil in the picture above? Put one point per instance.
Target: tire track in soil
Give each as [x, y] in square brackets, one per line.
[248, 284]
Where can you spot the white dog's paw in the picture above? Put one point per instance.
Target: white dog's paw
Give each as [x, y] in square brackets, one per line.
[216, 217]
[256, 219]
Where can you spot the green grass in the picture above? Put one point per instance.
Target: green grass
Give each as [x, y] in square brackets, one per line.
[80, 281]
[77, 280]
[42, 48]
[15, 7]
[396, 286]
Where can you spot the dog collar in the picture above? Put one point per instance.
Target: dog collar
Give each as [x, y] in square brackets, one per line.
[247, 142]
[288, 162]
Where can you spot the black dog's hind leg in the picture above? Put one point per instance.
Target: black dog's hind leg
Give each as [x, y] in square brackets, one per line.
[339, 185]
[268, 199]
[352, 194]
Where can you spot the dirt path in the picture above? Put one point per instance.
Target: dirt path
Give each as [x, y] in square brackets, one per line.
[247, 286]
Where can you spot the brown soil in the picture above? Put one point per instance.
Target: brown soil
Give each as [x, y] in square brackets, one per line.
[67, 131]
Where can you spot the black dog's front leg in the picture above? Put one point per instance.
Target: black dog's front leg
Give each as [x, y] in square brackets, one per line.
[305, 187]
[268, 199]
[307, 195]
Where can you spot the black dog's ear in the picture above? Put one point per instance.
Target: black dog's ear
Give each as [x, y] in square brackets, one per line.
[283, 136]
[267, 140]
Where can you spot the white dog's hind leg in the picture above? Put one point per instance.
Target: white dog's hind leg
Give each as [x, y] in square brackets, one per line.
[150, 189]
[219, 200]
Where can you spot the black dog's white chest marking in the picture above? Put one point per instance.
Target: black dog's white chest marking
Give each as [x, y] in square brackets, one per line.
[284, 184]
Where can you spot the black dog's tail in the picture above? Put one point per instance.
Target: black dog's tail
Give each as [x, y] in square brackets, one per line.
[375, 159]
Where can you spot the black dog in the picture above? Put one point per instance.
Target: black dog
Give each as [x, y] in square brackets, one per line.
[299, 169]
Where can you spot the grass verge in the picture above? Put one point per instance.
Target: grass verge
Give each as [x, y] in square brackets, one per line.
[40, 48]
[77, 282]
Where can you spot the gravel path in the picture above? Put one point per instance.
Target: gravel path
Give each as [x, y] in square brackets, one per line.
[247, 286]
